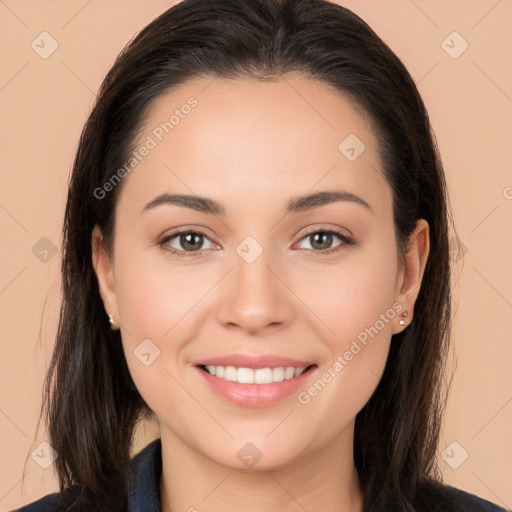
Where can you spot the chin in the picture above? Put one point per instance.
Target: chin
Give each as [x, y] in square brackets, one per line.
[247, 456]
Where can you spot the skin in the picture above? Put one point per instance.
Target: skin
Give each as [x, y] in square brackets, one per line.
[252, 146]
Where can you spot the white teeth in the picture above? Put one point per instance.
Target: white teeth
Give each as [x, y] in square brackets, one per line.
[298, 371]
[212, 369]
[245, 376]
[258, 376]
[263, 376]
[289, 372]
[231, 374]
[277, 374]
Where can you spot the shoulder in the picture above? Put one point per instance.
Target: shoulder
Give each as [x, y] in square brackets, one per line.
[473, 503]
[49, 503]
[437, 496]
[146, 468]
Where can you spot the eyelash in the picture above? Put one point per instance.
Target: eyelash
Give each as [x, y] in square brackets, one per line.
[347, 241]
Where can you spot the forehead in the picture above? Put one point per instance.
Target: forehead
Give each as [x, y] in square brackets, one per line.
[245, 140]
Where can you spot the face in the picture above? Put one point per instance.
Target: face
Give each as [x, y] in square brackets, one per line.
[258, 280]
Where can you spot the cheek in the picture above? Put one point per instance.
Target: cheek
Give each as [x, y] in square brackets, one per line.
[358, 354]
[159, 306]
[155, 296]
[351, 294]
[354, 301]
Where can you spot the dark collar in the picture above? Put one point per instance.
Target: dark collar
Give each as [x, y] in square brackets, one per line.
[146, 470]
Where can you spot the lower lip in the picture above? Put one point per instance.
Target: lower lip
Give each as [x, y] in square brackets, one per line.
[255, 395]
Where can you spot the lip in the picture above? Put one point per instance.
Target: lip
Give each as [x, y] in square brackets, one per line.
[254, 395]
[254, 362]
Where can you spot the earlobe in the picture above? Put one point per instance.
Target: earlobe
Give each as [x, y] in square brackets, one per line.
[415, 261]
[103, 268]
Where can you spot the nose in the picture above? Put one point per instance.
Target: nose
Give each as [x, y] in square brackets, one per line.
[256, 297]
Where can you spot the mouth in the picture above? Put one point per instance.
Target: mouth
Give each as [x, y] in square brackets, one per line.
[268, 375]
[256, 387]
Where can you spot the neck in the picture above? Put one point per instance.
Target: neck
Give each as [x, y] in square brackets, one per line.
[325, 480]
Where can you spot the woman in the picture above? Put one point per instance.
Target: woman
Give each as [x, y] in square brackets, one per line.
[256, 252]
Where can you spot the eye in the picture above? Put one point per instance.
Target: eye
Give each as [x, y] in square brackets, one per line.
[189, 242]
[321, 240]
[185, 242]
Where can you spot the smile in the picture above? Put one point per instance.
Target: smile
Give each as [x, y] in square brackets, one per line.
[255, 387]
[254, 376]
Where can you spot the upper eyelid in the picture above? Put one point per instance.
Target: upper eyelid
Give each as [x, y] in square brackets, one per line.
[324, 229]
[177, 233]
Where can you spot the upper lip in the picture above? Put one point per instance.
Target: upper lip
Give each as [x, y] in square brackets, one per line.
[254, 362]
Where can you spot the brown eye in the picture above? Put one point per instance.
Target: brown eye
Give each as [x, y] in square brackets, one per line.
[191, 241]
[185, 243]
[321, 241]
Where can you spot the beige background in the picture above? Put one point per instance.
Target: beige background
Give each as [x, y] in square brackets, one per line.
[44, 103]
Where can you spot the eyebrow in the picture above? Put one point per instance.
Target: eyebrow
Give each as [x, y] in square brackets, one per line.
[295, 205]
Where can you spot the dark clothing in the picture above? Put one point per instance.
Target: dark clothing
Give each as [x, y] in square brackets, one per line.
[145, 493]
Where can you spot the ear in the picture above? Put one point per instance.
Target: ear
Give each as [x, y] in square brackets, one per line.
[411, 274]
[103, 267]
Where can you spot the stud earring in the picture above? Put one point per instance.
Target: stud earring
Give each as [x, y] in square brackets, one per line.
[113, 324]
[404, 314]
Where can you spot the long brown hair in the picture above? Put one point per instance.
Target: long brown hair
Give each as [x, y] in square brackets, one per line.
[90, 403]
